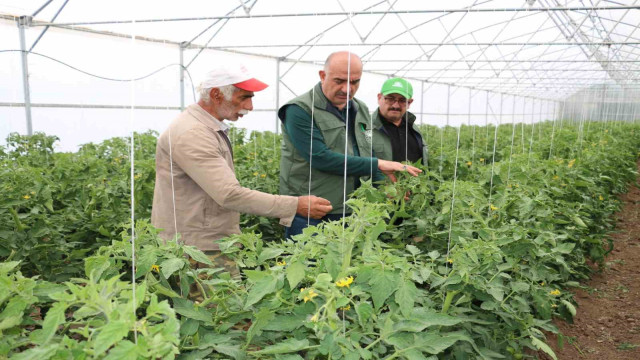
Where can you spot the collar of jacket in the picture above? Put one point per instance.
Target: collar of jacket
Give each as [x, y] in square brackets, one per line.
[320, 101]
[207, 119]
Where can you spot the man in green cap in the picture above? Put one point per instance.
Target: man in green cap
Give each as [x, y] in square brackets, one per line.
[397, 137]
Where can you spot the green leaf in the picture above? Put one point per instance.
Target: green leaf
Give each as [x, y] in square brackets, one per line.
[231, 350]
[263, 317]
[286, 346]
[295, 273]
[406, 296]
[187, 308]
[6, 267]
[262, 287]
[364, 311]
[189, 327]
[565, 248]
[570, 307]
[12, 313]
[109, 335]
[422, 318]
[37, 353]
[540, 345]
[519, 286]
[576, 219]
[103, 231]
[496, 292]
[169, 266]
[269, 253]
[197, 255]
[383, 284]
[55, 317]
[124, 350]
[286, 323]
[144, 262]
[413, 250]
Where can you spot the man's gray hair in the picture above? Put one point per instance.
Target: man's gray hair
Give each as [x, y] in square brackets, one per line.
[227, 91]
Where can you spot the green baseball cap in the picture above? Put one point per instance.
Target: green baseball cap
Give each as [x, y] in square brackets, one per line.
[397, 86]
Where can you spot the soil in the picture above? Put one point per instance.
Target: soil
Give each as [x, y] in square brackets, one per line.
[607, 325]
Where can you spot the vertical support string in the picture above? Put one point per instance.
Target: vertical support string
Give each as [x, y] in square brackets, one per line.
[493, 158]
[513, 135]
[132, 174]
[533, 102]
[313, 102]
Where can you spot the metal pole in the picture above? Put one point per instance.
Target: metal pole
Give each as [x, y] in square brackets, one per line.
[23, 22]
[182, 76]
[277, 94]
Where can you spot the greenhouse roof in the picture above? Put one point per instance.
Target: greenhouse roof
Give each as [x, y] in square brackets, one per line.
[545, 49]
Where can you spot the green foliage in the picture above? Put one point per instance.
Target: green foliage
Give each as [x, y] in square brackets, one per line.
[473, 266]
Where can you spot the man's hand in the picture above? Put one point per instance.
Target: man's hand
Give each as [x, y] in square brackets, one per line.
[389, 167]
[313, 206]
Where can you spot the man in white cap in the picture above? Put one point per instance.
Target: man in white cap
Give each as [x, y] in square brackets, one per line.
[196, 193]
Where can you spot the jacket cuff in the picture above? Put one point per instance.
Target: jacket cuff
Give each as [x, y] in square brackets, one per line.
[291, 205]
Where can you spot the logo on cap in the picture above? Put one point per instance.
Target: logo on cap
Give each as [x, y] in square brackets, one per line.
[397, 84]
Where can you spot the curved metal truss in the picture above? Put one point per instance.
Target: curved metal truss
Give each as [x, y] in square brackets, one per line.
[542, 49]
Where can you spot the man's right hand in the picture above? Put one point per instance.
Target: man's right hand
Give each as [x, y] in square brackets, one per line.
[313, 206]
[389, 167]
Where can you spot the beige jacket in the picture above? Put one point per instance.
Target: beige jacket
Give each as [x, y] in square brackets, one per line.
[208, 197]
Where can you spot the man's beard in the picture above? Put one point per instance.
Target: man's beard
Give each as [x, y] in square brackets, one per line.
[227, 112]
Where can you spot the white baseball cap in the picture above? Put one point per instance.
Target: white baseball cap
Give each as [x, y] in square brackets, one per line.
[232, 74]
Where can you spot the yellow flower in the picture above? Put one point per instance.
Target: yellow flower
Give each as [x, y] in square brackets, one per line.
[509, 186]
[600, 197]
[606, 131]
[263, 176]
[33, 193]
[314, 318]
[348, 307]
[469, 163]
[556, 177]
[281, 263]
[310, 294]
[26, 197]
[481, 159]
[571, 163]
[554, 305]
[137, 177]
[255, 173]
[555, 292]
[450, 261]
[493, 208]
[542, 283]
[517, 185]
[345, 282]
[155, 268]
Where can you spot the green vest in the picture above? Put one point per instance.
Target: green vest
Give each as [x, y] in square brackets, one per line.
[381, 143]
[295, 177]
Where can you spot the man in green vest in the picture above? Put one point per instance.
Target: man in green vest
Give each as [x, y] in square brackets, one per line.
[318, 136]
[396, 136]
